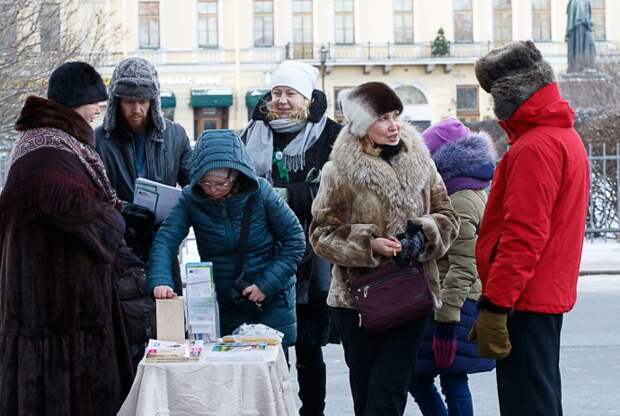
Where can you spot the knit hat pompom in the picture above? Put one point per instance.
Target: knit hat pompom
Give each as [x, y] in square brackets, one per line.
[443, 132]
[74, 84]
[364, 104]
[297, 75]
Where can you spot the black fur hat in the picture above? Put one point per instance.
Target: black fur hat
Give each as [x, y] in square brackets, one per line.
[74, 84]
[512, 74]
[363, 105]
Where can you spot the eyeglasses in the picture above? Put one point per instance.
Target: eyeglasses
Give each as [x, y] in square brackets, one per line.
[218, 185]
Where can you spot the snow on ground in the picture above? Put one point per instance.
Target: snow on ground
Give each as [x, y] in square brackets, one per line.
[597, 256]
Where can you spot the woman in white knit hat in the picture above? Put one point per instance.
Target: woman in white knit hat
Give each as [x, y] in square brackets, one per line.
[289, 139]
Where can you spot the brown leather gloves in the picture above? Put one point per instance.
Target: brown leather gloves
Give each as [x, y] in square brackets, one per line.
[490, 331]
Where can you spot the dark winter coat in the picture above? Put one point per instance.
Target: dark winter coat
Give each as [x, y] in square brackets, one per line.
[460, 284]
[62, 345]
[274, 248]
[167, 158]
[531, 236]
[314, 273]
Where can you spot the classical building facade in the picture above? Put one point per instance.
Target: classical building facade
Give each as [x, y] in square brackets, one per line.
[216, 57]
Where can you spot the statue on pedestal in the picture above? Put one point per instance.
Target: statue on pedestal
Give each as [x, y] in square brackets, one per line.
[581, 48]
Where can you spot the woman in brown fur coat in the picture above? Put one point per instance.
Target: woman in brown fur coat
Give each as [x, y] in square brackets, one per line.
[62, 347]
[379, 177]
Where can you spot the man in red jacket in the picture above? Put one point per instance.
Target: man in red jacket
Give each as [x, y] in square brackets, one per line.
[531, 236]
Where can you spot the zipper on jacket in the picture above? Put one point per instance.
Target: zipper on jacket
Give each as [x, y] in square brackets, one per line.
[377, 283]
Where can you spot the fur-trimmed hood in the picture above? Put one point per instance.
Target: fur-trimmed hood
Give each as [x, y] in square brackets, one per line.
[461, 158]
[39, 112]
[406, 174]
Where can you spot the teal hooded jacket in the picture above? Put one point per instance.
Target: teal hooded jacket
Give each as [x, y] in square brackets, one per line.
[275, 244]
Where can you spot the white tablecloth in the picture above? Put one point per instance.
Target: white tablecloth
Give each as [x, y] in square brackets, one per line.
[213, 388]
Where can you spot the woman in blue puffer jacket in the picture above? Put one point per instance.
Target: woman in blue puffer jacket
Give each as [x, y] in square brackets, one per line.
[222, 180]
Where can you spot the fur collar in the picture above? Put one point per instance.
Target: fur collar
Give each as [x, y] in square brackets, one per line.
[39, 112]
[396, 182]
[460, 157]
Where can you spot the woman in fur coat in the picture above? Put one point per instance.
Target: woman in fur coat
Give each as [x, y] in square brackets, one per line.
[289, 140]
[466, 162]
[379, 177]
[63, 349]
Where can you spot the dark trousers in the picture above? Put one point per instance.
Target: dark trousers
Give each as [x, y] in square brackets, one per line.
[311, 376]
[528, 380]
[379, 364]
[454, 387]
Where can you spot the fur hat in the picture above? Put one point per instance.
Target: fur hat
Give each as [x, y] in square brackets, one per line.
[363, 105]
[134, 78]
[512, 74]
[74, 84]
[297, 75]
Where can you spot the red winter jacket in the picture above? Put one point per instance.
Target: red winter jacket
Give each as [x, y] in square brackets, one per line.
[529, 248]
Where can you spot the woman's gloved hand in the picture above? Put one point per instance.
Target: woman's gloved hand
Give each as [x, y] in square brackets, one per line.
[444, 344]
[412, 242]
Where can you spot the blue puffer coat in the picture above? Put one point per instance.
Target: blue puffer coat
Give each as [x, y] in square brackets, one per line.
[275, 245]
[467, 359]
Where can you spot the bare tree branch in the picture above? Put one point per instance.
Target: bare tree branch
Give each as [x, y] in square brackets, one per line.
[35, 37]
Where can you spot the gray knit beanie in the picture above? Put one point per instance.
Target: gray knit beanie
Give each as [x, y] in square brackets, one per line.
[134, 78]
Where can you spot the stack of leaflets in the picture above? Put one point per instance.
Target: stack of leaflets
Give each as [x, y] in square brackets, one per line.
[173, 352]
[201, 302]
[156, 197]
[237, 351]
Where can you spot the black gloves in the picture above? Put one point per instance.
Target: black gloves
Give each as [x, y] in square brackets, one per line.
[412, 241]
[140, 229]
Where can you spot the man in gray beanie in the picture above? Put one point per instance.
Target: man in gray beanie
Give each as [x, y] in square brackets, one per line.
[530, 240]
[135, 141]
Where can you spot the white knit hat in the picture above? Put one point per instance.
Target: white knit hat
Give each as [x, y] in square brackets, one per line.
[297, 75]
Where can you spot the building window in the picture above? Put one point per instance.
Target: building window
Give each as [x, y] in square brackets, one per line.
[302, 29]
[149, 24]
[410, 95]
[338, 114]
[502, 22]
[207, 24]
[598, 20]
[49, 27]
[541, 20]
[344, 25]
[403, 21]
[463, 21]
[263, 22]
[467, 104]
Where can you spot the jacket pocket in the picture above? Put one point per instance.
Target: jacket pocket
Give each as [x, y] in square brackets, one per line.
[494, 250]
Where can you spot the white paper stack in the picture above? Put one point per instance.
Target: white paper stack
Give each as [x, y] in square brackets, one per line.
[201, 301]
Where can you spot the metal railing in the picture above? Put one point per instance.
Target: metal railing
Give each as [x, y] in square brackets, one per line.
[358, 53]
[604, 205]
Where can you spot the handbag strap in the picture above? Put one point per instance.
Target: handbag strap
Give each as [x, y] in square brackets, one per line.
[243, 237]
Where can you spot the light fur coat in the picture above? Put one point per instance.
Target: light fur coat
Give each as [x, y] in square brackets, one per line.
[362, 197]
